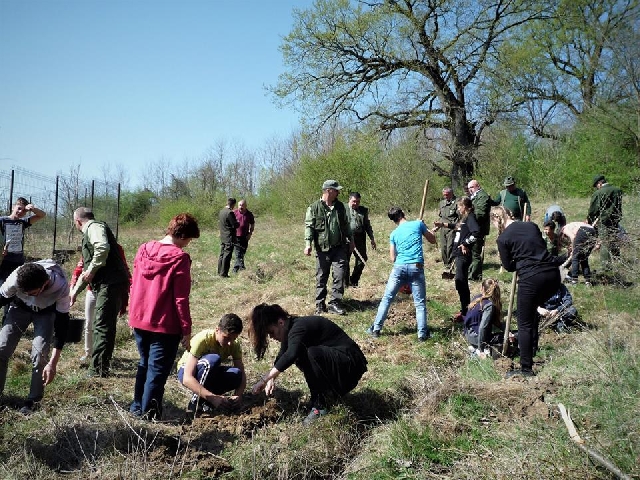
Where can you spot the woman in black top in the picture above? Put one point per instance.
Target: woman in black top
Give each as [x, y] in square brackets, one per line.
[466, 234]
[332, 363]
[522, 250]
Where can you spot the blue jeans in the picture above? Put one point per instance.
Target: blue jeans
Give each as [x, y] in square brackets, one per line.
[157, 353]
[413, 274]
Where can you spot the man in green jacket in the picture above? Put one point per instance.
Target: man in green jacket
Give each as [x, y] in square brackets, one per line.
[107, 274]
[605, 213]
[482, 208]
[327, 229]
[360, 228]
[514, 199]
[446, 223]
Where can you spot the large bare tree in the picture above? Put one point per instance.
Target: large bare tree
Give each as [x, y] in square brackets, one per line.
[401, 63]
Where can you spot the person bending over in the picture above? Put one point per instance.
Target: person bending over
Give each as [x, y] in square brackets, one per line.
[332, 363]
[523, 250]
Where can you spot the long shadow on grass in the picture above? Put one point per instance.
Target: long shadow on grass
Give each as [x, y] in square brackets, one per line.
[353, 305]
[79, 447]
[372, 407]
[436, 332]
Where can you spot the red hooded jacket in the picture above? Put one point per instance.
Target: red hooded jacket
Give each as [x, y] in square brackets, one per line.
[159, 299]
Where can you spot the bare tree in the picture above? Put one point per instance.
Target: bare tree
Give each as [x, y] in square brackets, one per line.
[156, 176]
[402, 63]
[69, 195]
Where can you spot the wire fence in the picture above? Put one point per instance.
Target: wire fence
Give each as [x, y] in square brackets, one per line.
[55, 236]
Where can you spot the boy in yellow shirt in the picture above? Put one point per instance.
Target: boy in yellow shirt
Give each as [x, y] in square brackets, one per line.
[201, 370]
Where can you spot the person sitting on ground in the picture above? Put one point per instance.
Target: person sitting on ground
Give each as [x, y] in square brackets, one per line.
[558, 311]
[200, 369]
[332, 363]
[484, 317]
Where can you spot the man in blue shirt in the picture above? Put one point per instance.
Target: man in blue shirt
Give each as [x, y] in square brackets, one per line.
[405, 250]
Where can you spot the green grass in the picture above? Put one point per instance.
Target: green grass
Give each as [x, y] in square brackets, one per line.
[421, 411]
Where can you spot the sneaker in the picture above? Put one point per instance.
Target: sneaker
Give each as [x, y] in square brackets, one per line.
[314, 414]
[336, 309]
[570, 280]
[587, 283]
[136, 412]
[373, 333]
[425, 338]
[519, 373]
[457, 317]
[199, 406]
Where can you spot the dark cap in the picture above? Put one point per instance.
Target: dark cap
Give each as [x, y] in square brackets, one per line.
[331, 184]
[597, 179]
[508, 181]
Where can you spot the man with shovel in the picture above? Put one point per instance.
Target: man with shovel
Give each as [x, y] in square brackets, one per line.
[360, 228]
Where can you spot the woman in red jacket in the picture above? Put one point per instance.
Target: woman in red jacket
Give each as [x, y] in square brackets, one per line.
[159, 311]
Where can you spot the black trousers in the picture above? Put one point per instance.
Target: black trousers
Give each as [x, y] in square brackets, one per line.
[360, 241]
[240, 249]
[462, 282]
[331, 372]
[532, 293]
[224, 260]
[583, 244]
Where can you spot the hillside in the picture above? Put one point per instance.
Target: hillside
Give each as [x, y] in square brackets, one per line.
[423, 410]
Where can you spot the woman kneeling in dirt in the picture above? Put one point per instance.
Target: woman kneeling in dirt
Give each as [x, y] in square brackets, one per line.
[332, 363]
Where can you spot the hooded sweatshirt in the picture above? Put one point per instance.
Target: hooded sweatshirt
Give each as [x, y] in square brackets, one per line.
[159, 299]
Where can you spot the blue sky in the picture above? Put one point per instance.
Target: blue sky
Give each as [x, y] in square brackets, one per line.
[128, 82]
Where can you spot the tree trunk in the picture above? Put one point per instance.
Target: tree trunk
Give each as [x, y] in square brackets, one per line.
[463, 149]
